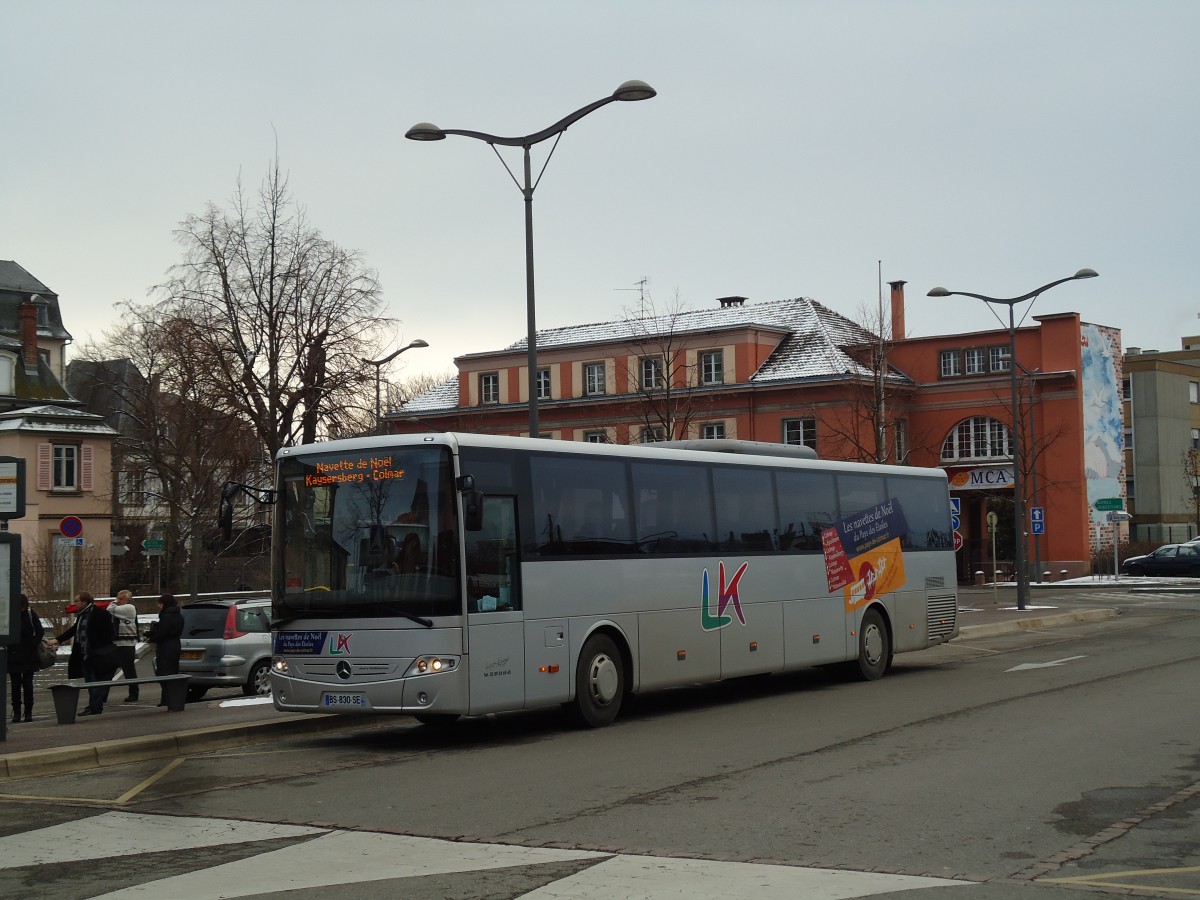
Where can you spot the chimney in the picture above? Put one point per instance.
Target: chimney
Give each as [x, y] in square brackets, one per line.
[727, 302]
[29, 346]
[898, 332]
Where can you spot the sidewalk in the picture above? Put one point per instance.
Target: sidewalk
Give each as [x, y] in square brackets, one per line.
[131, 732]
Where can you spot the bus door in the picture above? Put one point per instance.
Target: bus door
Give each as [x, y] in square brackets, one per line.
[495, 627]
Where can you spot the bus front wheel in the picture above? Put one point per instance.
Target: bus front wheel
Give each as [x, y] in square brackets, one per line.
[874, 648]
[599, 682]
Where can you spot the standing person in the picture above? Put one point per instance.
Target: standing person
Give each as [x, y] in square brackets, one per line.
[124, 614]
[93, 634]
[23, 660]
[165, 634]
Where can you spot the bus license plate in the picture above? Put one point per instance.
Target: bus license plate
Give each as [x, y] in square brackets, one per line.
[344, 701]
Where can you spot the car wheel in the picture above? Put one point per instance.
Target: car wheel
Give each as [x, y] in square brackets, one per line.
[259, 682]
[196, 693]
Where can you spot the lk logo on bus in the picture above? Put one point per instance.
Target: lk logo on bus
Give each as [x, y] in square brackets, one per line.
[727, 595]
[339, 645]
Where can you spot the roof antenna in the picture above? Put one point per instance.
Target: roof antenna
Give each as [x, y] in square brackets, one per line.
[640, 287]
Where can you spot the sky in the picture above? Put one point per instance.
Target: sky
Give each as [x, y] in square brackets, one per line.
[796, 148]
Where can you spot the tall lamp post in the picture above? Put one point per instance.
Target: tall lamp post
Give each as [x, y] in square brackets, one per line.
[379, 364]
[1018, 480]
[425, 131]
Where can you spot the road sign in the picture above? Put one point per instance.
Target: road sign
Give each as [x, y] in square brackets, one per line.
[958, 541]
[955, 523]
[1037, 514]
[1110, 503]
[153, 544]
[70, 526]
[1038, 528]
[956, 505]
[1118, 516]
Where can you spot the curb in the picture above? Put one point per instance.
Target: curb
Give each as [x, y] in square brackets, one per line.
[79, 757]
[1012, 625]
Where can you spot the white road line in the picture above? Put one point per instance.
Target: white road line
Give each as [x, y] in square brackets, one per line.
[344, 858]
[636, 877]
[128, 834]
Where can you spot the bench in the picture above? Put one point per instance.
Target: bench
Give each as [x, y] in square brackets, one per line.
[66, 696]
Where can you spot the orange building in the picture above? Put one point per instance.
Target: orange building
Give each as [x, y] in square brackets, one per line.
[793, 371]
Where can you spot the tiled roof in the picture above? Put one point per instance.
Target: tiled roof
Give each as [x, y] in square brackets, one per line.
[813, 338]
[54, 420]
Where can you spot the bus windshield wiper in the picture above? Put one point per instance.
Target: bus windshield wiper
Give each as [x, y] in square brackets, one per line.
[420, 620]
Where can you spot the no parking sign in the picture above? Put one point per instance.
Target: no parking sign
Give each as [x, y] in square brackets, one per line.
[70, 526]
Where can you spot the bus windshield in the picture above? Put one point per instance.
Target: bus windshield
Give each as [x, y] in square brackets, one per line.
[367, 533]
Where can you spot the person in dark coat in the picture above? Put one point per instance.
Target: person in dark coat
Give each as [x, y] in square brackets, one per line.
[23, 660]
[165, 634]
[93, 635]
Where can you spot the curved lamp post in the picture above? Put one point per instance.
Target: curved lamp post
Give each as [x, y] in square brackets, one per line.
[379, 364]
[425, 131]
[1018, 486]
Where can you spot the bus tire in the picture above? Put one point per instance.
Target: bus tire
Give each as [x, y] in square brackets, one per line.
[874, 648]
[599, 682]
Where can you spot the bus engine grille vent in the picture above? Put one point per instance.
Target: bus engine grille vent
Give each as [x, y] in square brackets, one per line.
[942, 612]
[933, 583]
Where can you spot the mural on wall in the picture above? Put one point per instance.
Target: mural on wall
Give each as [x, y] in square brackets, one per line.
[1103, 441]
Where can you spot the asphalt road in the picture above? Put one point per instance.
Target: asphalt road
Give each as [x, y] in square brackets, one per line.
[1062, 762]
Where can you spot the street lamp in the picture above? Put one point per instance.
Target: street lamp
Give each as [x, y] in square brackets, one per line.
[379, 364]
[1018, 486]
[424, 131]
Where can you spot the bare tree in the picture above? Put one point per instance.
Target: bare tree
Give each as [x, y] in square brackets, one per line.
[279, 316]
[872, 418]
[1191, 474]
[179, 442]
[658, 373]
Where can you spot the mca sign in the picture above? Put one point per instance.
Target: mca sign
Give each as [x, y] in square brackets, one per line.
[982, 479]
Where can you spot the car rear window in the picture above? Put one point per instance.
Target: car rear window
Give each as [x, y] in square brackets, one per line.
[204, 621]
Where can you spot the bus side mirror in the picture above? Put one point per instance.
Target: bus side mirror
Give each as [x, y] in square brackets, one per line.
[473, 510]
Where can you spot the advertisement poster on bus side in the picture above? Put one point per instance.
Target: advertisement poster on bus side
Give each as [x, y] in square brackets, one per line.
[863, 557]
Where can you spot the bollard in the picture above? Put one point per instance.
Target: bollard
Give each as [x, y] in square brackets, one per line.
[1062, 574]
[979, 579]
[1046, 575]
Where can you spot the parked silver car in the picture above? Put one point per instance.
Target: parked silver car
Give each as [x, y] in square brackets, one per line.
[226, 643]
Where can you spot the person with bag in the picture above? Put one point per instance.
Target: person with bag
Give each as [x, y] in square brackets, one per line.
[93, 635]
[165, 635]
[23, 660]
[125, 638]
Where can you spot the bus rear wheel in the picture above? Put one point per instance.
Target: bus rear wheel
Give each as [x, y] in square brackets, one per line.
[599, 682]
[874, 648]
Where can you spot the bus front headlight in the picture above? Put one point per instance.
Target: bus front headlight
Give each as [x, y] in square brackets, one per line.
[431, 665]
[279, 665]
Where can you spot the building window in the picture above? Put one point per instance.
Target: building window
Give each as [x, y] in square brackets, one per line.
[489, 387]
[713, 431]
[652, 373]
[595, 437]
[975, 361]
[1127, 387]
[800, 431]
[998, 358]
[901, 432]
[951, 363]
[977, 438]
[64, 468]
[133, 488]
[543, 384]
[1196, 438]
[593, 379]
[652, 435]
[1194, 391]
[712, 367]
[1128, 436]
[6, 374]
[1129, 491]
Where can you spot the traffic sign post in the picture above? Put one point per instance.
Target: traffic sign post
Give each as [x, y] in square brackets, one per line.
[1110, 504]
[1037, 521]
